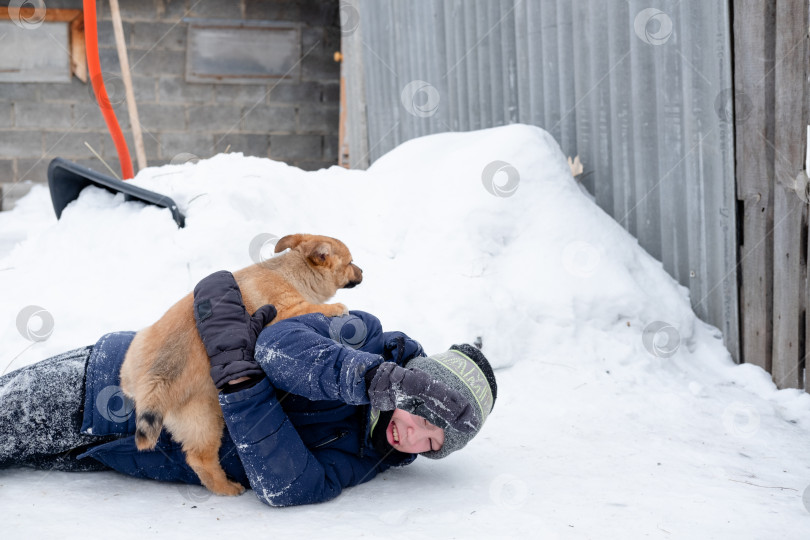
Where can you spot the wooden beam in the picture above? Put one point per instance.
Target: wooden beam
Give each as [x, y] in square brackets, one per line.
[78, 50]
[790, 206]
[343, 142]
[74, 17]
[49, 15]
[753, 35]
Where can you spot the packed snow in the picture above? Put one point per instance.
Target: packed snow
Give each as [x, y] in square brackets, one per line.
[619, 414]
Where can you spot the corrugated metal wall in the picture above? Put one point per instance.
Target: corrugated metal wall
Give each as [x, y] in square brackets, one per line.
[639, 89]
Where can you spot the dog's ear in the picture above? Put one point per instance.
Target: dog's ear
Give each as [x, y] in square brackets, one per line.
[289, 241]
[319, 252]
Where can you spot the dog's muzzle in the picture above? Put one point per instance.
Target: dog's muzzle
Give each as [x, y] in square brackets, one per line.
[355, 282]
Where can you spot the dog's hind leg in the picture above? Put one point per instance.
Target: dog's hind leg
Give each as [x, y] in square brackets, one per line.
[200, 432]
[206, 464]
[149, 376]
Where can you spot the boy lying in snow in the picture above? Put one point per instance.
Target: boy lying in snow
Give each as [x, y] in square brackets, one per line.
[324, 412]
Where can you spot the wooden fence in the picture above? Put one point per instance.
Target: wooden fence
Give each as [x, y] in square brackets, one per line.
[770, 43]
[642, 119]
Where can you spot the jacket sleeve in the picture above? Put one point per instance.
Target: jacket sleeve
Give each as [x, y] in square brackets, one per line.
[280, 468]
[227, 330]
[300, 356]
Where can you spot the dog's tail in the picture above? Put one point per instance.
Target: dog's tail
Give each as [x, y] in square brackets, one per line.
[148, 423]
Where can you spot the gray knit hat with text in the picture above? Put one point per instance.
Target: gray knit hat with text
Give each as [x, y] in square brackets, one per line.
[463, 368]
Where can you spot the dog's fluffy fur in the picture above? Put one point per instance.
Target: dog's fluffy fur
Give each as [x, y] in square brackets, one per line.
[166, 369]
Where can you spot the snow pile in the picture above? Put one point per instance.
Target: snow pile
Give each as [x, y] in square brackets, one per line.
[618, 412]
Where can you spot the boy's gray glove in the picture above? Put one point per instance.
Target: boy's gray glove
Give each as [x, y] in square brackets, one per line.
[412, 390]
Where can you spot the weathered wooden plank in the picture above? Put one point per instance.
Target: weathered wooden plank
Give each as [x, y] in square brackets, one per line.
[806, 285]
[787, 302]
[754, 26]
[43, 14]
[790, 126]
[78, 49]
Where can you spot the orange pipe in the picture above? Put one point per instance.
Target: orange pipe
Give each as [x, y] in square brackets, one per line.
[94, 67]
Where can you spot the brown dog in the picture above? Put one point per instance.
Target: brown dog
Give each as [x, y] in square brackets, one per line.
[166, 369]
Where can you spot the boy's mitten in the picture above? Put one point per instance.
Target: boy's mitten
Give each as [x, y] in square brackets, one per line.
[412, 390]
[228, 332]
[400, 348]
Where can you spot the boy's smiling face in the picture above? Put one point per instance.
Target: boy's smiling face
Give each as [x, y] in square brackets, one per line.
[413, 434]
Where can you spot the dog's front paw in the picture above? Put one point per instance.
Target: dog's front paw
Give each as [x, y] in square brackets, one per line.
[230, 489]
[338, 310]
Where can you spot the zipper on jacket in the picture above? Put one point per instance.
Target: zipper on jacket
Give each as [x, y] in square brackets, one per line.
[339, 436]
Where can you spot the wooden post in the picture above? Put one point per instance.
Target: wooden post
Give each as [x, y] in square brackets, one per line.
[790, 199]
[120, 44]
[754, 26]
[343, 143]
[78, 51]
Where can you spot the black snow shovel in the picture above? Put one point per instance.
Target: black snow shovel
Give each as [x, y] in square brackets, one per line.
[67, 179]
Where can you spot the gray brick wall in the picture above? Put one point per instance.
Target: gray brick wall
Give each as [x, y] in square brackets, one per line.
[291, 121]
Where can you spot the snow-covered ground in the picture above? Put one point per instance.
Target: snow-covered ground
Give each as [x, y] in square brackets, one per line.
[620, 414]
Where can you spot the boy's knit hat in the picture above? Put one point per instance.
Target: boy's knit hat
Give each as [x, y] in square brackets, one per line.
[465, 369]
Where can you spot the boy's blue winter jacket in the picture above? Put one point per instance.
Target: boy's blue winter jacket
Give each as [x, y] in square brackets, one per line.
[299, 436]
